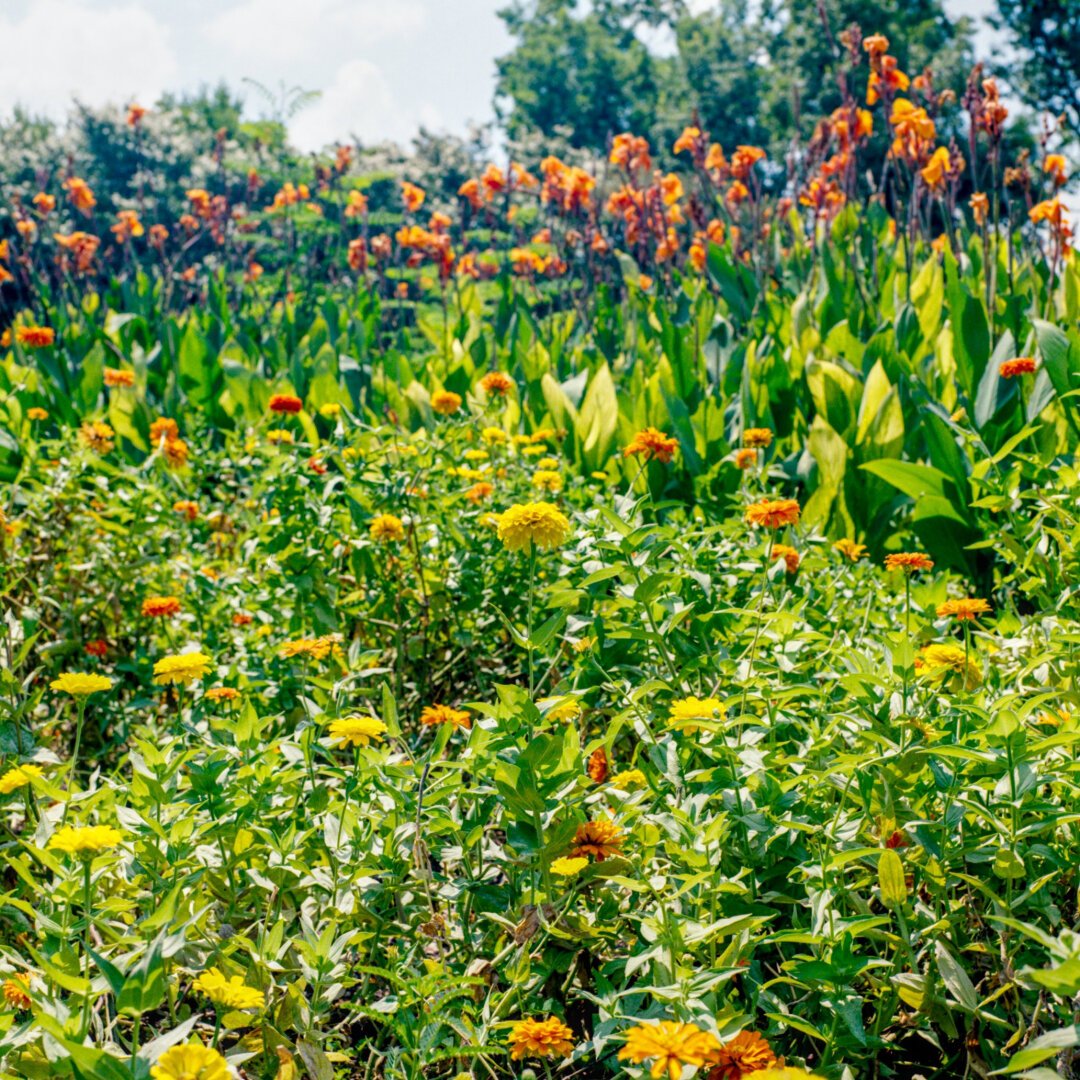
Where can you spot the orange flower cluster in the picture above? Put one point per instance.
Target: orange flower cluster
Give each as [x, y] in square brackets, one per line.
[650, 443]
[1022, 365]
[81, 247]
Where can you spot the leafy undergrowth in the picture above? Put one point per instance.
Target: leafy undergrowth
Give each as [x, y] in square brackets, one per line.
[469, 766]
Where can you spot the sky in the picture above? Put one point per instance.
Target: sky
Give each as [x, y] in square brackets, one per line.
[385, 67]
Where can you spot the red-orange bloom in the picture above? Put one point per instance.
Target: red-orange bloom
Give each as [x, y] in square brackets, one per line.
[740, 1057]
[35, 337]
[285, 403]
[1022, 365]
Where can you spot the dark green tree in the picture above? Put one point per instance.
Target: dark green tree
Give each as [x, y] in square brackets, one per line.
[586, 73]
[1045, 35]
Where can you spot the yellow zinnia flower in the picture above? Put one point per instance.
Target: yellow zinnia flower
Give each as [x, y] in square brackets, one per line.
[17, 778]
[628, 779]
[540, 524]
[686, 710]
[671, 1043]
[79, 685]
[228, 993]
[84, 840]
[190, 1062]
[939, 661]
[182, 668]
[568, 867]
[386, 527]
[357, 731]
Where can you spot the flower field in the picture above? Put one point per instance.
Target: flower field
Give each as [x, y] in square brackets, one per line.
[620, 621]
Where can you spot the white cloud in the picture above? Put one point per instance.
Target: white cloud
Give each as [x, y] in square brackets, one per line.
[361, 102]
[59, 50]
[282, 31]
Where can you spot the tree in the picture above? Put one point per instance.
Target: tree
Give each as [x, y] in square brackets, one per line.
[1046, 37]
[589, 75]
[753, 72]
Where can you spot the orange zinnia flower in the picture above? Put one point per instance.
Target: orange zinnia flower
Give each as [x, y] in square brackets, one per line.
[1022, 365]
[908, 561]
[745, 458]
[601, 839]
[650, 443]
[444, 714]
[788, 554]
[156, 607]
[965, 610]
[115, 377]
[757, 437]
[740, 1057]
[773, 513]
[495, 383]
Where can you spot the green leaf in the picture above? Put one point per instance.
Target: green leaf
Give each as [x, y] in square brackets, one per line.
[891, 881]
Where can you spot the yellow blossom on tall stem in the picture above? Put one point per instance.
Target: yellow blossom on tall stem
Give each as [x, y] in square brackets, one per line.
[80, 687]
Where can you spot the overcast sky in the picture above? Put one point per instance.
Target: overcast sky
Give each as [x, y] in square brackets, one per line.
[384, 66]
